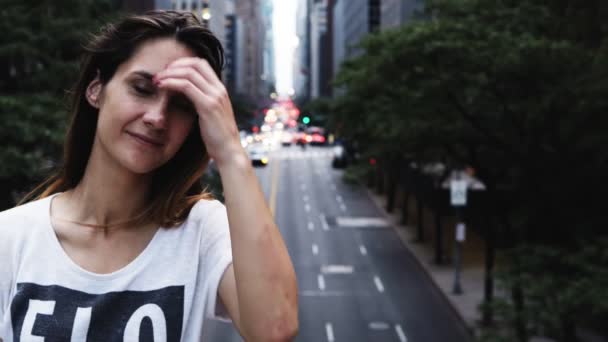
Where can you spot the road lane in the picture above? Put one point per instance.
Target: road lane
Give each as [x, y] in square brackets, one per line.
[355, 284]
[407, 298]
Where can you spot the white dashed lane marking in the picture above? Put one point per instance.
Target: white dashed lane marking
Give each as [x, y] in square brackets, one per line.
[329, 330]
[378, 283]
[321, 282]
[363, 250]
[400, 333]
[323, 222]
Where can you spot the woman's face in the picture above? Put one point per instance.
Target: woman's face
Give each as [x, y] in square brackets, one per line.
[141, 127]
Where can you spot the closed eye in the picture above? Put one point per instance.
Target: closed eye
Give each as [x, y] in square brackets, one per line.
[143, 90]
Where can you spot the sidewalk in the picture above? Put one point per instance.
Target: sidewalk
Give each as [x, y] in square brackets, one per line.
[466, 305]
[472, 275]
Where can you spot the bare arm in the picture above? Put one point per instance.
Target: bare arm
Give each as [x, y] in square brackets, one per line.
[260, 290]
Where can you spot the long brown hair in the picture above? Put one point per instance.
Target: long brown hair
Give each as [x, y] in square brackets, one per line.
[176, 185]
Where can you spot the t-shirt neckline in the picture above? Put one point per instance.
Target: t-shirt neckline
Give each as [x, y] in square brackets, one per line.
[140, 260]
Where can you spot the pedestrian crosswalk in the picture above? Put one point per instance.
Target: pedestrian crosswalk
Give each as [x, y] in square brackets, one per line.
[302, 154]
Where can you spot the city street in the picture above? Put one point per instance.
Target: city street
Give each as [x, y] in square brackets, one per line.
[480, 124]
[357, 282]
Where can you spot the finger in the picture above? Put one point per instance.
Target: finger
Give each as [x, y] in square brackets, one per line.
[201, 65]
[193, 93]
[190, 74]
[215, 94]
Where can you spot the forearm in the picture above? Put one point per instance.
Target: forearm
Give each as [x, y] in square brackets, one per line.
[265, 278]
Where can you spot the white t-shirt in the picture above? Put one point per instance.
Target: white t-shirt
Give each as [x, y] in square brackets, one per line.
[165, 294]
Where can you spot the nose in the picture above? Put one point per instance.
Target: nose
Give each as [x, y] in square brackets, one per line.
[156, 115]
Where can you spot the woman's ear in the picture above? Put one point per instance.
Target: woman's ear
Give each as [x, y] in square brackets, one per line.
[93, 92]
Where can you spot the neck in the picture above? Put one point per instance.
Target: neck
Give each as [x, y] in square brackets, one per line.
[108, 193]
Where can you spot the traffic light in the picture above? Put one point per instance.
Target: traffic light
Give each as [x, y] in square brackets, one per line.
[306, 120]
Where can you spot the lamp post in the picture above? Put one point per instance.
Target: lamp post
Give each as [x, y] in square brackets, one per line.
[459, 183]
[458, 190]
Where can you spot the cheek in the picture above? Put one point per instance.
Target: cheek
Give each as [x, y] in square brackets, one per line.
[181, 129]
[114, 114]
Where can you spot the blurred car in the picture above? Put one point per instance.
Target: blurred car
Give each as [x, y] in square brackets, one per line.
[301, 138]
[286, 139]
[344, 153]
[340, 159]
[317, 135]
[258, 153]
[317, 139]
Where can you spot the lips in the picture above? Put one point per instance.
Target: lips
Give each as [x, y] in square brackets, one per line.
[146, 140]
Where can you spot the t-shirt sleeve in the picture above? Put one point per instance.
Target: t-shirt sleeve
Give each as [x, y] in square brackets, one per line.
[11, 227]
[217, 256]
[5, 278]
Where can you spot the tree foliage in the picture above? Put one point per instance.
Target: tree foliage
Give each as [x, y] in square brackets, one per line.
[497, 86]
[40, 47]
[515, 88]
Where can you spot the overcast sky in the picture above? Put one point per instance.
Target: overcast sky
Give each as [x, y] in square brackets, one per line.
[284, 31]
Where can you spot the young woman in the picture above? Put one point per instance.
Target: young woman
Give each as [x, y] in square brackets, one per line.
[122, 244]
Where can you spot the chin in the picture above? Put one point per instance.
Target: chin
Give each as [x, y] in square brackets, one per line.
[142, 167]
[142, 171]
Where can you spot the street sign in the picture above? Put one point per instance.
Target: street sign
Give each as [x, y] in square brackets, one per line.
[461, 231]
[458, 192]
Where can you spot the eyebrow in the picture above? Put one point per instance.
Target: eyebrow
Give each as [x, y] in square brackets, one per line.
[143, 74]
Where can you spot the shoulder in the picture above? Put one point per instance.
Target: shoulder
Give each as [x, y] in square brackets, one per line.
[203, 210]
[24, 215]
[210, 219]
[17, 226]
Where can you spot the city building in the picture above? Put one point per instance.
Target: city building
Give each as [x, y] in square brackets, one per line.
[321, 48]
[352, 20]
[301, 62]
[230, 52]
[218, 16]
[395, 13]
[245, 29]
[318, 27]
[211, 12]
[268, 73]
[250, 47]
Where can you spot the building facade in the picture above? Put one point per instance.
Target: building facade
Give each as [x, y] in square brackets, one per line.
[245, 29]
[301, 62]
[352, 21]
[250, 48]
[230, 52]
[268, 73]
[394, 13]
[321, 48]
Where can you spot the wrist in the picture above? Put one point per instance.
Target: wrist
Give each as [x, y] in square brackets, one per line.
[234, 158]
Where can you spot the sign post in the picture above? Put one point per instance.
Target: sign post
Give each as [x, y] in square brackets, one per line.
[458, 199]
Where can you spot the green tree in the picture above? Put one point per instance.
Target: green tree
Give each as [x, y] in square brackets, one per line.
[39, 53]
[516, 89]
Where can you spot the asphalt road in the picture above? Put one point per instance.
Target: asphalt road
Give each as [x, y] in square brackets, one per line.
[357, 282]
